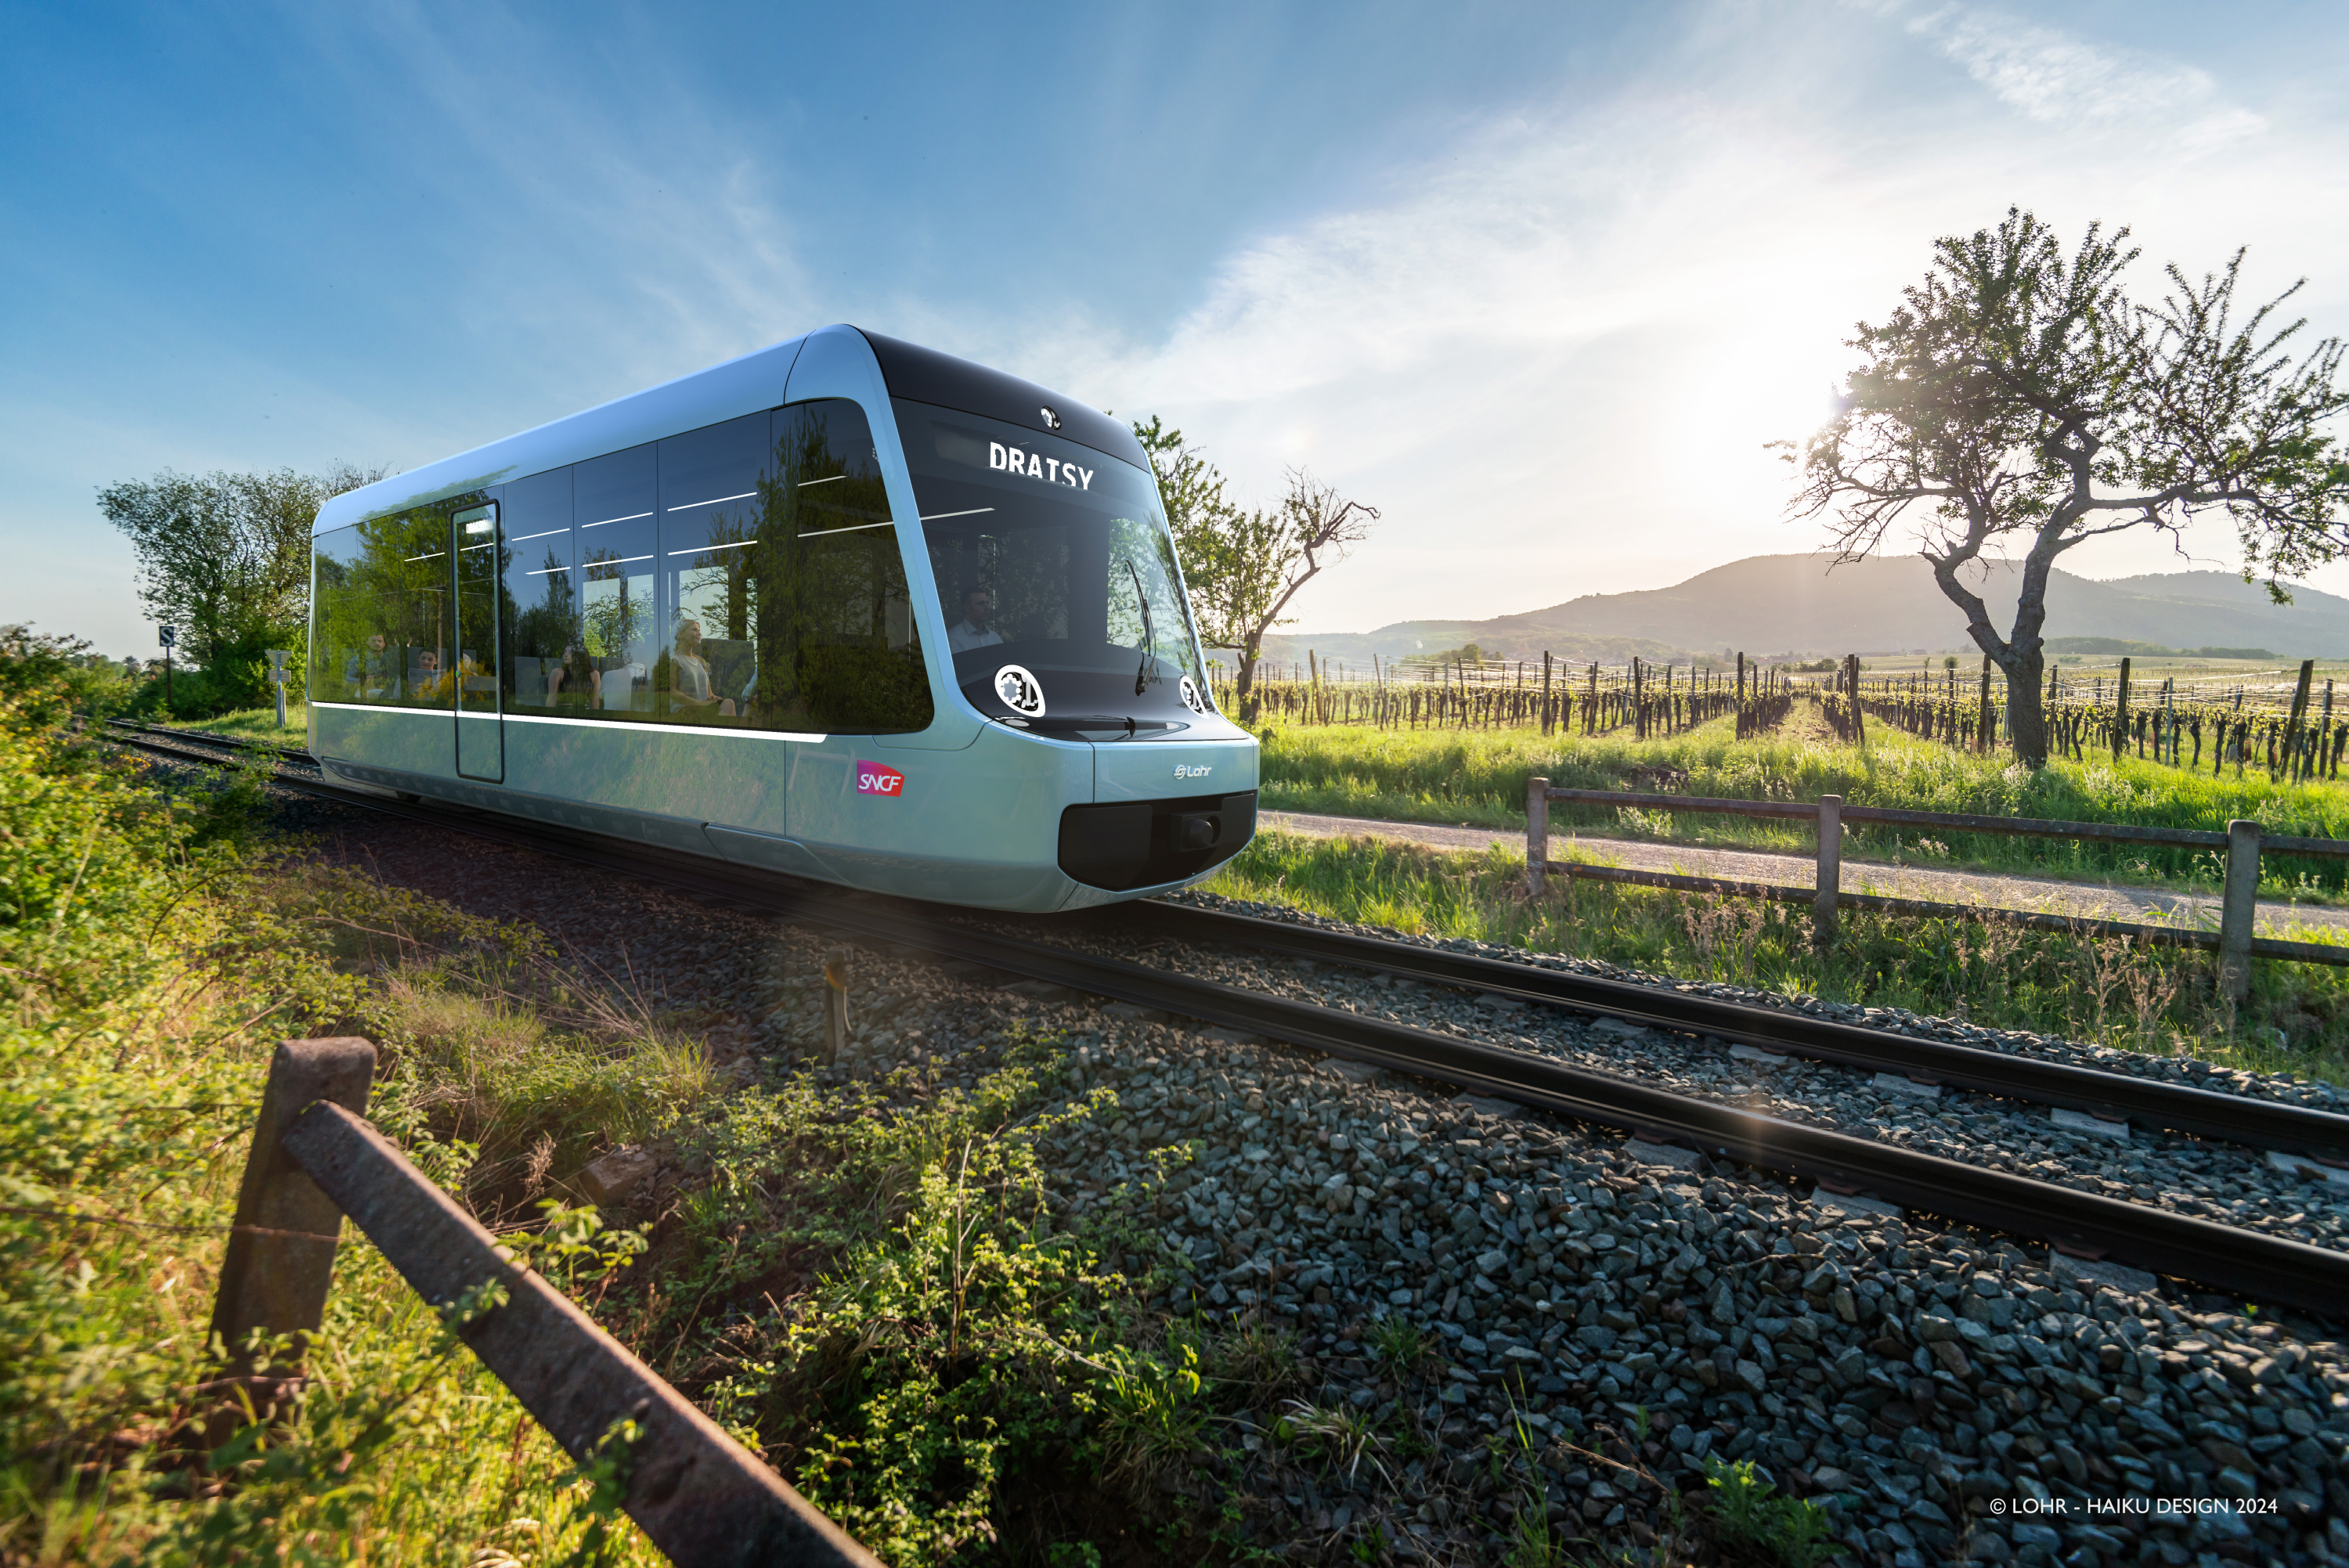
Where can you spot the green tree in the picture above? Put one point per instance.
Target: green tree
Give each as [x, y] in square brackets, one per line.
[226, 557]
[1243, 567]
[2019, 391]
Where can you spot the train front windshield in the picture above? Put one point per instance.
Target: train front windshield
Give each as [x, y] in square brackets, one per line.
[1055, 558]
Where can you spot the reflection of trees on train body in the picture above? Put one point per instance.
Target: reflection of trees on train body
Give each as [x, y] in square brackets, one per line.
[816, 584]
[544, 629]
[387, 579]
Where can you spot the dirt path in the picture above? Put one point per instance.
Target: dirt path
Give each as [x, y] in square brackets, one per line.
[2111, 901]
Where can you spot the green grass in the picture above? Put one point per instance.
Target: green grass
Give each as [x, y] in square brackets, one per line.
[258, 722]
[1478, 779]
[2001, 977]
[864, 1280]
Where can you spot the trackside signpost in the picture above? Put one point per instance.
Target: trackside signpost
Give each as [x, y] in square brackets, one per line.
[698, 1495]
[278, 673]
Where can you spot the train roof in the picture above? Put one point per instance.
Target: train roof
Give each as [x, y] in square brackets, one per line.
[727, 390]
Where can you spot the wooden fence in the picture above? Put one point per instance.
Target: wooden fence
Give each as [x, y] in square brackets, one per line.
[2234, 941]
[700, 1497]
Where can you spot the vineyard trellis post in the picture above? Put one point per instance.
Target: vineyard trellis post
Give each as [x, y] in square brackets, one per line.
[2120, 713]
[2292, 729]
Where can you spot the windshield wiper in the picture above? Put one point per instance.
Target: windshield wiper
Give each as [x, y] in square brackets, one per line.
[1149, 633]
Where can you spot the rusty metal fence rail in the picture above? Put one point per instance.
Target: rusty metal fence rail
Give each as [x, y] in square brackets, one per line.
[2234, 941]
[700, 1496]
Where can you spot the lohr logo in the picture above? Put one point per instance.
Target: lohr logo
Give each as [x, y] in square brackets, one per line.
[879, 779]
[1199, 772]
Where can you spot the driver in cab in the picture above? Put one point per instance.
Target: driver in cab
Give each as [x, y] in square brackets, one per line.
[973, 631]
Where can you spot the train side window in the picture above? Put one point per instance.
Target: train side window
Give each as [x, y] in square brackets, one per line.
[379, 632]
[785, 593]
[546, 664]
[615, 500]
[711, 506]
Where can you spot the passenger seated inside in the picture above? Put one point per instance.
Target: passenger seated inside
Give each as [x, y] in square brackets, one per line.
[427, 681]
[973, 631]
[691, 682]
[575, 682]
[367, 671]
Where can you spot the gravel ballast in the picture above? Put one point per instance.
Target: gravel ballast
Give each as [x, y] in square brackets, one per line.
[1602, 1317]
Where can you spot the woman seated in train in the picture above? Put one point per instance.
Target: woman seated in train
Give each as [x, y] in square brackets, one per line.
[574, 682]
[690, 677]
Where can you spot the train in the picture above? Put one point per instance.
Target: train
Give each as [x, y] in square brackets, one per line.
[846, 608]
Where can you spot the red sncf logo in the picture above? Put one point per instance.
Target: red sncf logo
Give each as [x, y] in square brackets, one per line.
[879, 779]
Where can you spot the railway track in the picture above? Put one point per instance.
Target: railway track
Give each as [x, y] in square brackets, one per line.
[2265, 1267]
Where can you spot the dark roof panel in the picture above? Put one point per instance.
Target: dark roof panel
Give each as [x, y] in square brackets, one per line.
[925, 376]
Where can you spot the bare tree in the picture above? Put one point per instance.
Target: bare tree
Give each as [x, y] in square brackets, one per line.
[2018, 391]
[1244, 567]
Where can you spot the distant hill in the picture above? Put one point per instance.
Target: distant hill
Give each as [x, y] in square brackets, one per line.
[1782, 604]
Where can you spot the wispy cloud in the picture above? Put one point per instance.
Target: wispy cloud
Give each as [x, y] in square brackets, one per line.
[2057, 78]
[1554, 351]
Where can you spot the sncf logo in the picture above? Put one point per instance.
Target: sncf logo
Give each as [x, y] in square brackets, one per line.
[879, 779]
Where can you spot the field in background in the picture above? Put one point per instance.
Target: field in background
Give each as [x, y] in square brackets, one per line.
[1477, 777]
[2100, 990]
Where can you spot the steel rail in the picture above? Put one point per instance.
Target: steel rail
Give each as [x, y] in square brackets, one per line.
[2204, 1113]
[206, 737]
[2265, 1267]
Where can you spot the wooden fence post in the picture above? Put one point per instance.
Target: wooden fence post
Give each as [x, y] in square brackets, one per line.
[835, 1004]
[700, 1499]
[1830, 873]
[281, 1256]
[1537, 835]
[2236, 913]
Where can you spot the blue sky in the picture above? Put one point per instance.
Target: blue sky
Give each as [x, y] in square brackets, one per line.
[1537, 281]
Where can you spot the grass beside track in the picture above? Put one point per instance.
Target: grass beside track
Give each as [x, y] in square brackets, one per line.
[2101, 990]
[1477, 777]
[255, 724]
[951, 1369]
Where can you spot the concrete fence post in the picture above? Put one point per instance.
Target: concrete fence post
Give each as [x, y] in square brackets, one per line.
[281, 1256]
[2236, 913]
[1830, 874]
[1536, 836]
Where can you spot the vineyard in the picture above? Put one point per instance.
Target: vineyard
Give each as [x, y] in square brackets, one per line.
[1648, 700]
[2288, 728]
[2285, 726]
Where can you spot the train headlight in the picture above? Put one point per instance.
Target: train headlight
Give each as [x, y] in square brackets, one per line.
[1022, 692]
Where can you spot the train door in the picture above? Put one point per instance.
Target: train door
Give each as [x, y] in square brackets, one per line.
[478, 544]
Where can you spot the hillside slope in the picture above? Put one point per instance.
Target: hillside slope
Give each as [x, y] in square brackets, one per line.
[1795, 603]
